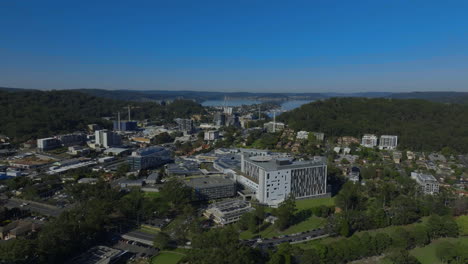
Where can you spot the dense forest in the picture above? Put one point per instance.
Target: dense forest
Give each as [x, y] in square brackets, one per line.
[33, 114]
[421, 125]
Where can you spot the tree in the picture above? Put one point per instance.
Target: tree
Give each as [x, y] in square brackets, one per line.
[221, 246]
[176, 194]
[285, 213]
[17, 251]
[161, 241]
[403, 257]
[421, 235]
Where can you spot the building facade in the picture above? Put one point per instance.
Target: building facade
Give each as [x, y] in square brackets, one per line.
[388, 142]
[125, 125]
[277, 178]
[148, 158]
[369, 141]
[184, 124]
[211, 135]
[107, 139]
[45, 144]
[427, 183]
[210, 188]
[227, 212]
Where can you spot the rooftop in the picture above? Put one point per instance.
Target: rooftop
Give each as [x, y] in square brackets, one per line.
[207, 182]
[269, 163]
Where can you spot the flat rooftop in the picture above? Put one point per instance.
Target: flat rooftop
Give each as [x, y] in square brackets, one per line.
[269, 163]
[208, 182]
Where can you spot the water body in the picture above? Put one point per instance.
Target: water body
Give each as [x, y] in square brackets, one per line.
[285, 105]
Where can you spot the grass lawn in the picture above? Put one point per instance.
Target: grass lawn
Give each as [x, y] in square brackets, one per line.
[151, 194]
[168, 257]
[309, 224]
[427, 255]
[309, 203]
[148, 230]
[462, 222]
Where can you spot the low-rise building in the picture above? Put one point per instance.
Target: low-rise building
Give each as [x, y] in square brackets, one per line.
[427, 183]
[149, 158]
[302, 135]
[211, 135]
[272, 127]
[227, 212]
[210, 188]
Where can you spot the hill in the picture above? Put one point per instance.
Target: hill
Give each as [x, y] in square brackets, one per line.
[441, 97]
[420, 125]
[31, 114]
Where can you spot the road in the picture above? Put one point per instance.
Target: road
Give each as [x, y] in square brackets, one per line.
[295, 238]
[43, 209]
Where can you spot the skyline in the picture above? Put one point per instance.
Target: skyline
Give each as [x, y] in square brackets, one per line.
[263, 46]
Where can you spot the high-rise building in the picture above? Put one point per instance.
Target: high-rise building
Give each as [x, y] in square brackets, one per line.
[107, 139]
[184, 124]
[45, 144]
[219, 119]
[369, 141]
[427, 183]
[274, 178]
[148, 158]
[388, 142]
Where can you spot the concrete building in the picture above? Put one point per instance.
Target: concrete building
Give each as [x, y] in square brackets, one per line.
[107, 139]
[388, 142]
[369, 141]
[276, 178]
[148, 158]
[125, 125]
[72, 139]
[354, 174]
[45, 144]
[210, 188]
[272, 127]
[302, 135]
[319, 136]
[219, 119]
[427, 183]
[211, 135]
[227, 212]
[184, 124]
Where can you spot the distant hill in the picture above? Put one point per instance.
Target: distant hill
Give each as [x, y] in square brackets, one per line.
[200, 96]
[29, 114]
[420, 124]
[441, 97]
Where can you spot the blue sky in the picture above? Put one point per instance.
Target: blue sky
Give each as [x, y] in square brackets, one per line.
[275, 46]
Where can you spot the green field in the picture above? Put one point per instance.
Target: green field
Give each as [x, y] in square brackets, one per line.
[168, 257]
[151, 194]
[427, 255]
[310, 203]
[462, 222]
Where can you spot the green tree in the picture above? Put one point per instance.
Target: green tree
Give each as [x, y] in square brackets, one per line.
[161, 241]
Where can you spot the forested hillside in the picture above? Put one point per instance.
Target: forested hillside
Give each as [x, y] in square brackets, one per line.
[420, 125]
[32, 114]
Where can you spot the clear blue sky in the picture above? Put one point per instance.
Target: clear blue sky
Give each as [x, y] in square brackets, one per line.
[297, 46]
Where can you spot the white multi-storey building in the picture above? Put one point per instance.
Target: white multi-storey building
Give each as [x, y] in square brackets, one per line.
[276, 178]
[369, 141]
[211, 135]
[427, 182]
[48, 143]
[302, 135]
[107, 138]
[388, 142]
